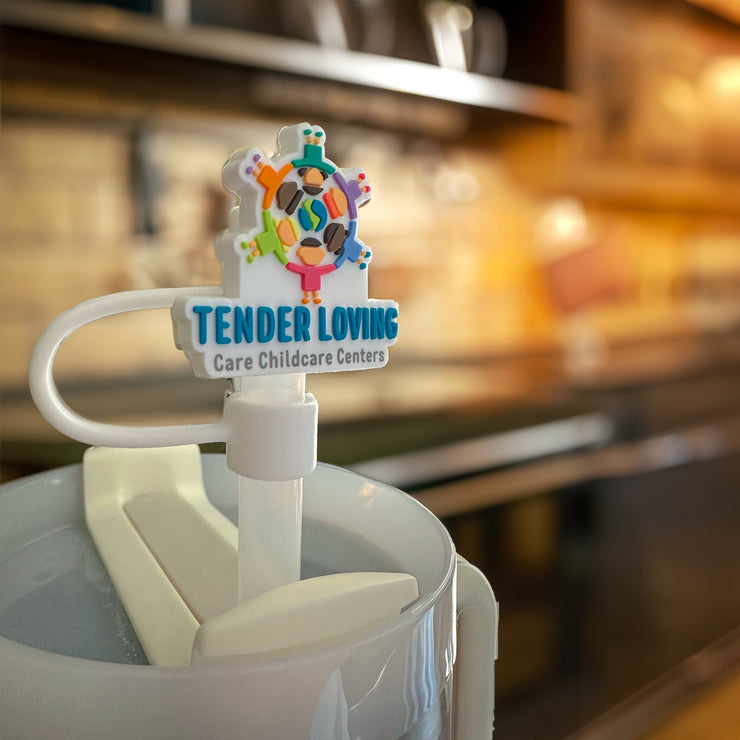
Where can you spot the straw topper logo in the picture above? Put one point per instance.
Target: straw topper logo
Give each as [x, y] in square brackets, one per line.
[294, 270]
[307, 207]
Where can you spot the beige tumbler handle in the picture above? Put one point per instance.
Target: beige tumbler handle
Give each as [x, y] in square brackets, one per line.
[477, 650]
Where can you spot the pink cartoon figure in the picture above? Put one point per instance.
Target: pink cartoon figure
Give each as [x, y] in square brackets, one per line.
[310, 253]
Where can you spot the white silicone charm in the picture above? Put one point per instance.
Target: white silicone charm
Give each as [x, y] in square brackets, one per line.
[294, 271]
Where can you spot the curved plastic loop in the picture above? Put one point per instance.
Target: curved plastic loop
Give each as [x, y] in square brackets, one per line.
[56, 411]
[477, 650]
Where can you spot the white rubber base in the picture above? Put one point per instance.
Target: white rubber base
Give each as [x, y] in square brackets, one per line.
[173, 560]
[170, 554]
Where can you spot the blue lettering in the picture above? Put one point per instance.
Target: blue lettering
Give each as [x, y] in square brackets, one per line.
[366, 323]
[243, 324]
[391, 327]
[265, 324]
[376, 323]
[301, 322]
[283, 324]
[222, 324]
[201, 312]
[339, 322]
[354, 316]
[324, 336]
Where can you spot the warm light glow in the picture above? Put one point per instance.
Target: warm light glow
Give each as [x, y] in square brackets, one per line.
[455, 184]
[721, 76]
[564, 224]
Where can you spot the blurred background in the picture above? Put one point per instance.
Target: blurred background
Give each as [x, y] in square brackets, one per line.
[556, 187]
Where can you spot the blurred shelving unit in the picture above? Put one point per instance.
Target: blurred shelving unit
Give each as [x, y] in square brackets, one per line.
[659, 89]
[277, 62]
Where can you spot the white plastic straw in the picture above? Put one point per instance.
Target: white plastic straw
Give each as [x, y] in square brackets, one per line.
[269, 535]
[270, 511]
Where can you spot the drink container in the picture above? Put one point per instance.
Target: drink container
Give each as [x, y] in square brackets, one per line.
[155, 592]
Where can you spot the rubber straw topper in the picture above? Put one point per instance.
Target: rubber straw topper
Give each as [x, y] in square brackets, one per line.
[293, 300]
[294, 271]
[294, 296]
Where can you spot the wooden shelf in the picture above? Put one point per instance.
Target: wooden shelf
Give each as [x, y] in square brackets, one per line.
[289, 57]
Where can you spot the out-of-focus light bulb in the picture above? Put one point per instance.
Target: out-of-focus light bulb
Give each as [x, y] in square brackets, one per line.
[721, 76]
[561, 230]
[455, 184]
[564, 223]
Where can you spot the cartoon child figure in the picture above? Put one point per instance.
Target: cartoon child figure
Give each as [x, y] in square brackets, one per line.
[298, 207]
[310, 253]
[271, 240]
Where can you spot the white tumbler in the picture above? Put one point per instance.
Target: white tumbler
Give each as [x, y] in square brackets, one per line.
[72, 668]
